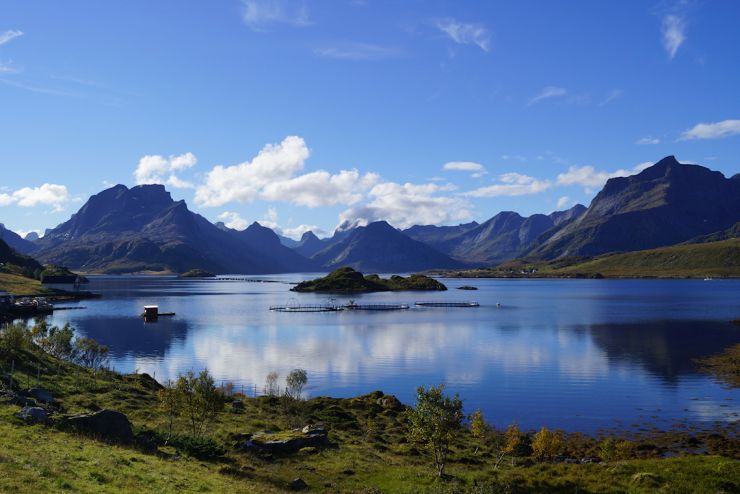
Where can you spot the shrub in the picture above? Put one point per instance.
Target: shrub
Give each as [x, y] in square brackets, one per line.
[435, 421]
[294, 383]
[14, 337]
[546, 443]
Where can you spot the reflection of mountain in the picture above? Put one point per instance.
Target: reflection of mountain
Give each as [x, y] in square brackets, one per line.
[664, 348]
[132, 336]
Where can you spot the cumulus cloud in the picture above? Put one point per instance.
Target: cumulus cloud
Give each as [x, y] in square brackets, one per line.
[405, 205]
[674, 33]
[466, 34]
[260, 14]
[47, 194]
[547, 93]
[233, 220]
[563, 201]
[590, 178]
[272, 175]
[716, 130]
[153, 168]
[648, 140]
[9, 35]
[297, 232]
[512, 184]
[321, 188]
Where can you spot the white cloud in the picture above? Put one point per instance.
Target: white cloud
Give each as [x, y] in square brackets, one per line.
[320, 188]
[152, 169]
[563, 201]
[8, 68]
[409, 204]
[297, 232]
[477, 169]
[590, 178]
[357, 51]
[47, 194]
[648, 140]
[716, 130]
[512, 184]
[233, 220]
[466, 34]
[9, 35]
[674, 33]
[245, 181]
[547, 93]
[271, 175]
[464, 166]
[260, 14]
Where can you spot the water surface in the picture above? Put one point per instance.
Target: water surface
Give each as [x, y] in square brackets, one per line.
[575, 354]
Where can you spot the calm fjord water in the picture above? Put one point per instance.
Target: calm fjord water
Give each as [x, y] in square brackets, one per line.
[575, 354]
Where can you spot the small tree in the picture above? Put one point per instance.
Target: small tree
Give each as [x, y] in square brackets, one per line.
[170, 403]
[201, 400]
[546, 443]
[478, 428]
[294, 383]
[59, 342]
[514, 442]
[14, 337]
[271, 384]
[435, 421]
[89, 353]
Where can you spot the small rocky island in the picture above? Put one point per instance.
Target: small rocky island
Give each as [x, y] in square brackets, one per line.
[347, 280]
[197, 273]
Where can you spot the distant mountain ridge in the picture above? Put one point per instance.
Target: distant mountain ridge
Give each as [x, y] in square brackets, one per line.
[663, 205]
[378, 247]
[15, 241]
[123, 230]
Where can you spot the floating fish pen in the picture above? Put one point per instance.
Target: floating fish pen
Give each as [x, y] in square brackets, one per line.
[353, 306]
[447, 304]
[305, 308]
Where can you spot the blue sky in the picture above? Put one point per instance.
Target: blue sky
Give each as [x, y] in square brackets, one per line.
[304, 114]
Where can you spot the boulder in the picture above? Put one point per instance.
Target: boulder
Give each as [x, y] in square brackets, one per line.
[33, 415]
[41, 395]
[108, 425]
[266, 443]
[390, 402]
[297, 485]
[237, 405]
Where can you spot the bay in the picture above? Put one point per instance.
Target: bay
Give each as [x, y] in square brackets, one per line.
[581, 355]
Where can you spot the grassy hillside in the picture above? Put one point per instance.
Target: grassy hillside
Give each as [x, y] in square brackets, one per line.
[21, 285]
[370, 451]
[717, 259]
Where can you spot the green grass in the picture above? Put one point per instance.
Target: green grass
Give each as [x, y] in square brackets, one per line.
[717, 259]
[21, 285]
[370, 451]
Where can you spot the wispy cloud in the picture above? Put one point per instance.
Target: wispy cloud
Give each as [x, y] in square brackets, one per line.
[648, 140]
[547, 93]
[477, 169]
[259, 15]
[613, 94]
[357, 51]
[511, 185]
[9, 35]
[8, 68]
[466, 33]
[716, 130]
[674, 33]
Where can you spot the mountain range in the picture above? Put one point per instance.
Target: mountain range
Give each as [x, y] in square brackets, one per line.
[121, 230]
